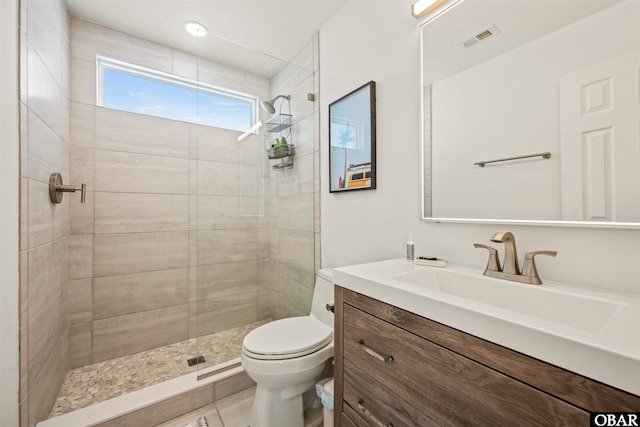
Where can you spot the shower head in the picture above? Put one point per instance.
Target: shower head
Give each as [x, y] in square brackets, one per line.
[268, 105]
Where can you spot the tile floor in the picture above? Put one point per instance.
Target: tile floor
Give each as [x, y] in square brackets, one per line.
[105, 380]
[234, 411]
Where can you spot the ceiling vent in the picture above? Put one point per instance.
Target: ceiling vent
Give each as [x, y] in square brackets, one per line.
[479, 37]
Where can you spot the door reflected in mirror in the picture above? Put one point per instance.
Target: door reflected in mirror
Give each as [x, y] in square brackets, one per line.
[504, 79]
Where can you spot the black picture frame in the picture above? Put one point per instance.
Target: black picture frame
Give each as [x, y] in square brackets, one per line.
[352, 140]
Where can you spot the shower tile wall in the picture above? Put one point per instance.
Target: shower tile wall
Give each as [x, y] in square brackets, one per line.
[44, 227]
[293, 195]
[170, 208]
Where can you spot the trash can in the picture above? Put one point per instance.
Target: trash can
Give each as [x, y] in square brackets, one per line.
[324, 390]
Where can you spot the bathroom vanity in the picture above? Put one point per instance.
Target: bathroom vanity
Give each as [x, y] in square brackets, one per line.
[396, 367]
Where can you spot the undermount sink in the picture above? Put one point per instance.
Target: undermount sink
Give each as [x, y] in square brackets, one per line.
[551, 303]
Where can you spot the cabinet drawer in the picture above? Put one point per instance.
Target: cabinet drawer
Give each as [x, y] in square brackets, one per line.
[344, 421]
[377, 405]
[572, 388]
[447, 387]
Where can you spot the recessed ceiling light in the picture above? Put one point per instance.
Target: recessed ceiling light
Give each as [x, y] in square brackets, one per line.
[195, 29]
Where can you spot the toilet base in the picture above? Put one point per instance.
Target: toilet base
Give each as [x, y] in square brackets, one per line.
[270, 409]
[292, 407]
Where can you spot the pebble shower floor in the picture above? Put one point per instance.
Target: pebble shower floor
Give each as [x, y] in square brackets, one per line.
[101, 381]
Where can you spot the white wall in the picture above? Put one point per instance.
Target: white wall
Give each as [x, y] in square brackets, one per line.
[9, 373]
[378, 42]
[381, 42]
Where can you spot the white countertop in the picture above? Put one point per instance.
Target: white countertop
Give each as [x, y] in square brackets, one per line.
[606, 349]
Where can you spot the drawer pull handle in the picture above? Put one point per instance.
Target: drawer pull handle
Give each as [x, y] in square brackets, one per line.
[369, 415]
[375, 354]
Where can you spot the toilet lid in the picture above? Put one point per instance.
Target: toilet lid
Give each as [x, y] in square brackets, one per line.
[287, 338]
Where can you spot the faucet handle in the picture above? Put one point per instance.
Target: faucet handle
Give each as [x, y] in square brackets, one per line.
[494, 261]
[529, 269]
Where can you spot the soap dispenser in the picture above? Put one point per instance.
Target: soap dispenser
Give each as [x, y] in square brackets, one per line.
[410, 247]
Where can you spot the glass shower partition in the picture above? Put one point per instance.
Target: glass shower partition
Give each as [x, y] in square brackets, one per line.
[253, 227]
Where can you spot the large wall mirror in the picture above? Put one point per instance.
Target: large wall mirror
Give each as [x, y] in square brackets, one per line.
[504, 79]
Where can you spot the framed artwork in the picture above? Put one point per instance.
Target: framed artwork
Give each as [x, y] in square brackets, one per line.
[352, 140]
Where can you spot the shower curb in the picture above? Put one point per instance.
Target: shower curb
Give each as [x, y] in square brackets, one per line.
[158, 403]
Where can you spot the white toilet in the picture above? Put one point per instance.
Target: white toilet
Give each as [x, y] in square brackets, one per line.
[287, 357]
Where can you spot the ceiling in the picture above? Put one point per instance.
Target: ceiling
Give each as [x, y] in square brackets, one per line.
[517, 23]
[255, 34]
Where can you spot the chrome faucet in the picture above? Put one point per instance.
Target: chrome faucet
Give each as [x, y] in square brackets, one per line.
[510, 269]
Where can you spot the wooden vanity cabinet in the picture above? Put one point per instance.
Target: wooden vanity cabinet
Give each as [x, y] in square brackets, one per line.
[395, 368]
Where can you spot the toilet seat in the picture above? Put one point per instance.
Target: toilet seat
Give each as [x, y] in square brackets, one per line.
[287, 338]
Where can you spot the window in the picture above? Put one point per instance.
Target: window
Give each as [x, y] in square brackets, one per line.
[136, 89]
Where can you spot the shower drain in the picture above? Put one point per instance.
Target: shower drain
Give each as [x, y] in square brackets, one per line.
[195, 360]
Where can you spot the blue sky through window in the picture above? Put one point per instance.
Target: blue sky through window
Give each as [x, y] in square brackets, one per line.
[146, 95]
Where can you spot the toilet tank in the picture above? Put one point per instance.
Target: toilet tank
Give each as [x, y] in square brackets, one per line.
[323, 295]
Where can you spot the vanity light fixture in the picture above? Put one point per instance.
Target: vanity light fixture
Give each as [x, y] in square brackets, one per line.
[422, 8]
[195, 28]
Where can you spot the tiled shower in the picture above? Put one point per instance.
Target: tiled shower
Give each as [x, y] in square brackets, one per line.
[185, 231]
